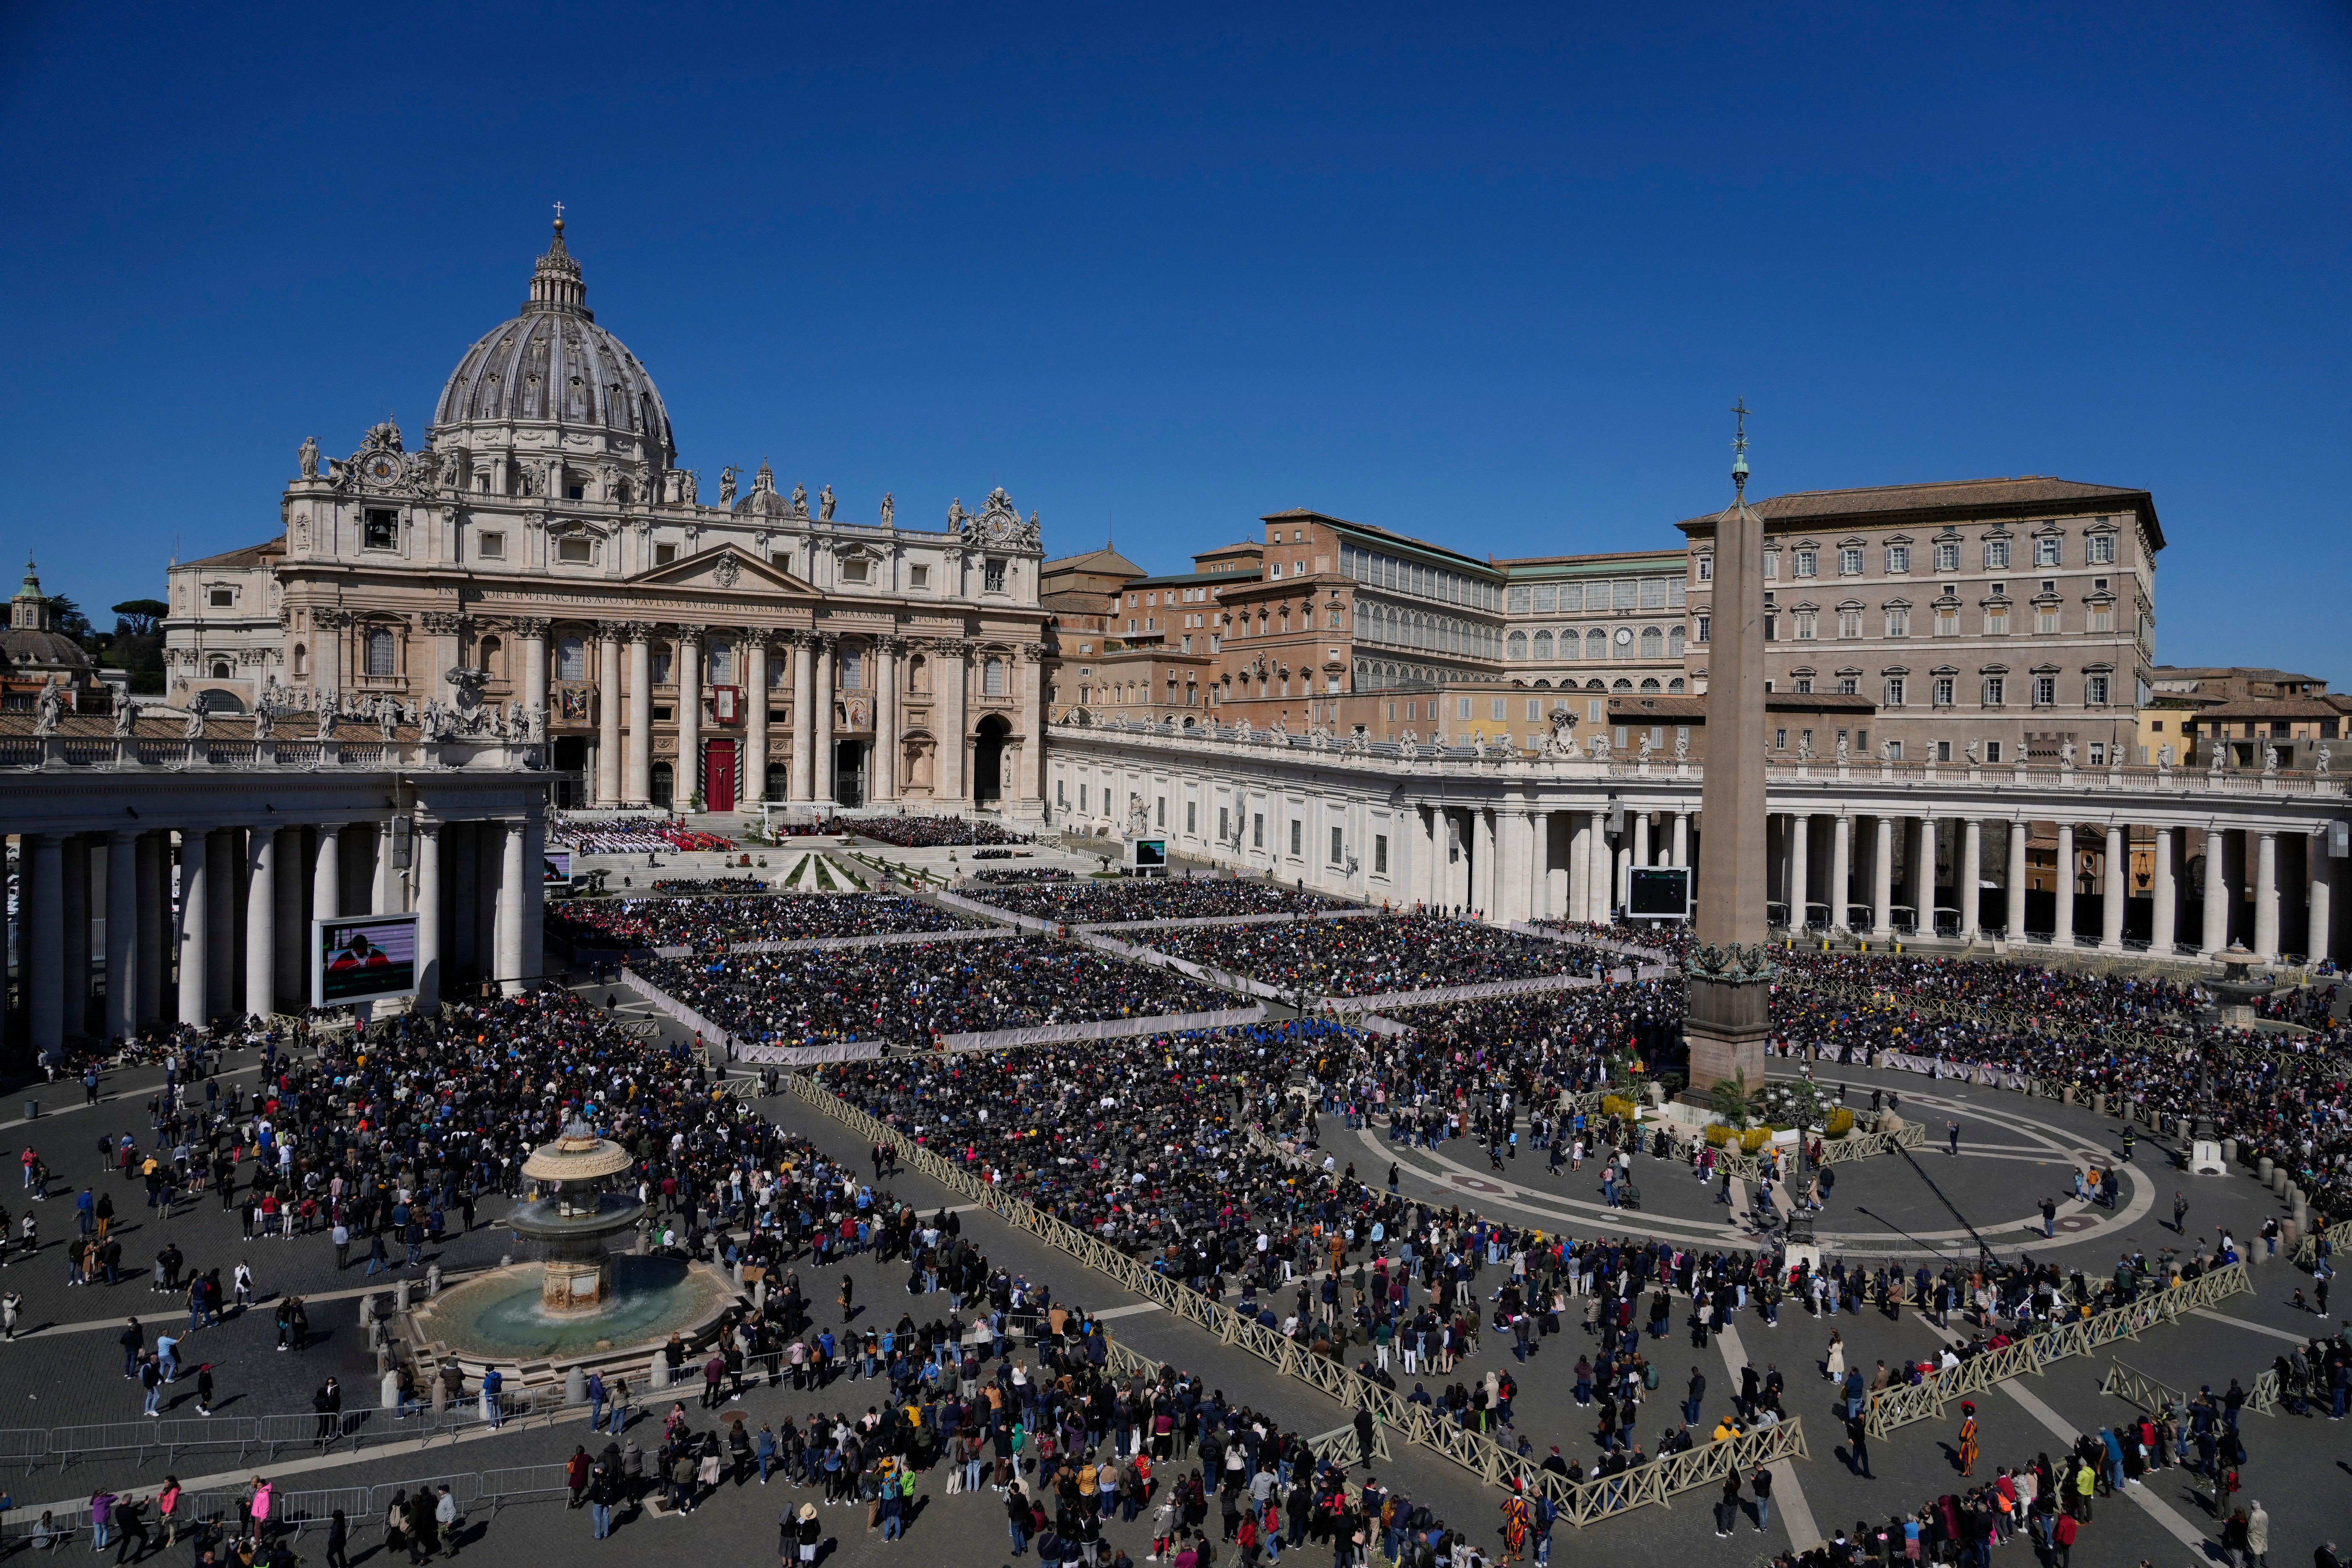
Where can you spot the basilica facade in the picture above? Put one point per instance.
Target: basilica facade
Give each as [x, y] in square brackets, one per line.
[541, 563]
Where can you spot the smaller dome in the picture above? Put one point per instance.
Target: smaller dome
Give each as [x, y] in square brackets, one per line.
[31, 640]
[762, 500]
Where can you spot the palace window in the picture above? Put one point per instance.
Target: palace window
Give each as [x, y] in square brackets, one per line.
[2094, 690]
[1808, 562]
[991, 678]
[571, 659]
[1850, 561]
[382, 652]
[1943, 691]
[1898, 558]
[1996, 554]
[2103, 549]
[2046, 551]
[2045, 690]
[1948, 558]
[1995, 688]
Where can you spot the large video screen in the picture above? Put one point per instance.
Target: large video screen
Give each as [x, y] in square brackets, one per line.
[362, 958]
[1659, 893]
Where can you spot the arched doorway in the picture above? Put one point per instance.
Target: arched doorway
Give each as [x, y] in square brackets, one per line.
[849, 772]
[988, 759]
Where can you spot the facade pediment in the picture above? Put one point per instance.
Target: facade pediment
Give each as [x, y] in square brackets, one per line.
[729, 569]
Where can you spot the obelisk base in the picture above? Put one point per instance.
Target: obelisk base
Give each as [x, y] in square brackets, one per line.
[1725, 1022]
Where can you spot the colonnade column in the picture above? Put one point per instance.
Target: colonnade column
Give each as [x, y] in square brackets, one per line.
[195, 924]
[2111, 890]
[1841, 868]
[755, 718]
[1920, 874]
[1801, 876]
[1641, 849]
[637, 785]
[41, 917]
[427, 844]
[2216, 935]
[1029, 759]
[1535, 838]
[261, 922]
[1486, 894]
[123, 972]
[2061, 928]
[882, 775]
[2319, 943]
[2266, 898]
[950, 785]
[1966, 876]
[686, 670]
[821, 719]
[1682, 839]
[2164, 918]
[608, 713]
[1882, 879]
[533, 892]
[508, 942]
[1430, 827]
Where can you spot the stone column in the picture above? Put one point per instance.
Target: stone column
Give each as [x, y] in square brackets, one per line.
[225, 855]
[74, 977]
[882, 775]
[2112, 887]
[2215, 935]
[2016, 889]
[2320, 944]
[1882, 879]
[1579, 856]
[196, 927]
[533, 629]
[755, 718]
[508, 942]
[261, 922]
[1641, 845]
[637, 784]
[1967, 873]
[1800, 872]
[2165, 917]
[686, 670]
[952, 787]
[803, 759]
[1920, 875]
[122, 929]
[2061, 928]
[154, 873]
[427, 846]
[821, 720]
[2266, 897]
[1841, 868]
[40, 928]
[608, 713]
[327, 874]
[1486, 895]
[1535, 849]
[1682, 839]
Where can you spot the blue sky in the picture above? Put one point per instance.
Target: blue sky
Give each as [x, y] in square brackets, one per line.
[1489, 276]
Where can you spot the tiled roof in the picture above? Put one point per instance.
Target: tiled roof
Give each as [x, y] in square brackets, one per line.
[251, 555]
[2022, 495]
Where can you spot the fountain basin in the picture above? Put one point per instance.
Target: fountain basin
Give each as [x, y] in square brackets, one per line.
[500, 1318]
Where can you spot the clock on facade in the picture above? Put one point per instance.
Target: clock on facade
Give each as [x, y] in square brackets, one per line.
[381, 468]
[1625, 637]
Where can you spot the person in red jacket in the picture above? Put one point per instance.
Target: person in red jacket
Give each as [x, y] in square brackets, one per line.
[2061, 1536]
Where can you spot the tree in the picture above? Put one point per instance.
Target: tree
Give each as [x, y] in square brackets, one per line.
[68, 618]
[140, 617]
[1730, 1099]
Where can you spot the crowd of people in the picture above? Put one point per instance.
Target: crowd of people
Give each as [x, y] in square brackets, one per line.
[910, 993]
[932, 832]
[1104, 902]
[716, 923]
[1390, 952]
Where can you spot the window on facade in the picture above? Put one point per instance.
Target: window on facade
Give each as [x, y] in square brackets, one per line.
[1947, 557]
[1850, 561]
[1517, 646]
[380, 530]
[991, 577]
[1898, 621]
[1771, 628]
[1706, 568]
[382, 652]
[1654, 593]
[1257, 830]
[1379, 854]
[1706, 626]
[494, 544]
[1943, 691]
[220, 670]
[1808, 562]
[1996, 554]
[1849, 685]
[2045, 690]
[991, 678]
[1995, 688]
[1801, 685]
[918, 576]
[1542, 645]
[663, 553]
[1850, 622]
[2046, 618]
[2102, 549]
[1596, 644]
[1947, 620]
[1653, 643]
[856, 570]
[1997, 621]
[302, 660]
[1992, 750]
[1771, 564]
[580, 552]
[223, 598]
[1898, 558]
[2094, 690]
[2045, 552]
[1808, 624]
[1894, 691]
[1337, 848]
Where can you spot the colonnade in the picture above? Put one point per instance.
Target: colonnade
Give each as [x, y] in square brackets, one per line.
[201, 922]
[1518, 863]
[2272, 888]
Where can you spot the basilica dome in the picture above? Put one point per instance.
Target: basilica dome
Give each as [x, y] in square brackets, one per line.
[554, 365]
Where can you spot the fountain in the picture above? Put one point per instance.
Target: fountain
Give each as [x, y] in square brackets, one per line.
[579, 1305]
[2239, 988]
